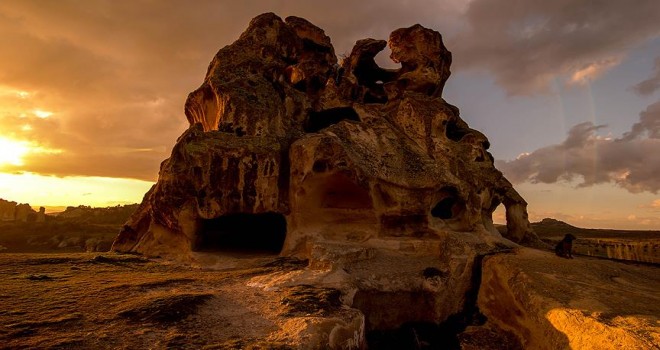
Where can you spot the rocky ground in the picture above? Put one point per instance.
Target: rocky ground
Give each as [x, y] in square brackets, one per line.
[548, 302]
[528, 299]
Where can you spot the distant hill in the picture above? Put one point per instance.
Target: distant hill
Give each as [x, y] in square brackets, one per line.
[551, 228]
[108, 215]
[80, 228]
[622, 245]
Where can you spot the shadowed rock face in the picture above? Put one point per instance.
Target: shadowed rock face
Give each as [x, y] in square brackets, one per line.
[342, 152]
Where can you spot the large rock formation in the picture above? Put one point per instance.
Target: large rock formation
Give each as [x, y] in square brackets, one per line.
[366, 172]
[281, 133]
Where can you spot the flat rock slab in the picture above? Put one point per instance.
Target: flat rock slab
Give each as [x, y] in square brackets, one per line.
[547, 302]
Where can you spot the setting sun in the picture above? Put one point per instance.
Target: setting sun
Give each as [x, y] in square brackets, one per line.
[42, 114]
[12, 151]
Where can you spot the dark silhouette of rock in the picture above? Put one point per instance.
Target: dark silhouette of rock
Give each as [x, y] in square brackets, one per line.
[41, 215]
[12, 211]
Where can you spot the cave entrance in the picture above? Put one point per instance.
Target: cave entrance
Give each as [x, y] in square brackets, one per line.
[242, 233]
[325, 118]
[449, 205]
[443, 209]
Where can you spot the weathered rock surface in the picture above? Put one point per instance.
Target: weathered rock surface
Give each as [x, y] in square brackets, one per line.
[366, 172]
[112, 301]
[279, 131]
[540, 301]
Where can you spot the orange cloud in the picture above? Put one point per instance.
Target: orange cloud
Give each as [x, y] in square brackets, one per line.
[592, 70]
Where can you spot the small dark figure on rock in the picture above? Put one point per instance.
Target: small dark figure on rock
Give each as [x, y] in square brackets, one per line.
[565, 247]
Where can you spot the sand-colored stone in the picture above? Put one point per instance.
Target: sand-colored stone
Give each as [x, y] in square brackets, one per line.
[343, 152]
[367, 173]
[547, 302]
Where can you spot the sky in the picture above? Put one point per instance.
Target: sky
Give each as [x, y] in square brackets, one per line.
[567, 91]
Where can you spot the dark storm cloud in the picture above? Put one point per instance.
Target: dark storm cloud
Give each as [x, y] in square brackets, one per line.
[651, 84]
[632, 161]
[527, 44]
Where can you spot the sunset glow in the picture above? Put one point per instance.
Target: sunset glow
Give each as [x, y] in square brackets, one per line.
[570, 103]
[12, 152]
[42, 114]
[74, 190]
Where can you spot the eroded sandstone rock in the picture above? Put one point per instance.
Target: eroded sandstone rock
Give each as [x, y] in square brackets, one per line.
[344, 152]
[365, 171]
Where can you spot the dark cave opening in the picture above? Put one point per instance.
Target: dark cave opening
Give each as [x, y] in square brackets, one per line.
[455, 132]
[325, 118]
[443, 209]
[242, 233]
[449, 205]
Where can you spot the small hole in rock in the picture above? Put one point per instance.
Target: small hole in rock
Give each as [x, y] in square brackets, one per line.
[320, 166]
[455, 132]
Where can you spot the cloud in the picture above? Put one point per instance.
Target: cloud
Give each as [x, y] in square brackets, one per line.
[593, 70]
[652, 84]
[653, 206]
[115, 75]
[528, 44]
[648, 125]
[632, 161]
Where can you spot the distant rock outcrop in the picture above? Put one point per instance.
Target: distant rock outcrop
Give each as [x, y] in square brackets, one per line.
[631, 245]
[12, 211]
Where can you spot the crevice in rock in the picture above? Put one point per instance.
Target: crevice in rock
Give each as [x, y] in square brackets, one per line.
[325, 118]
[397, 320]
[242, 233]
